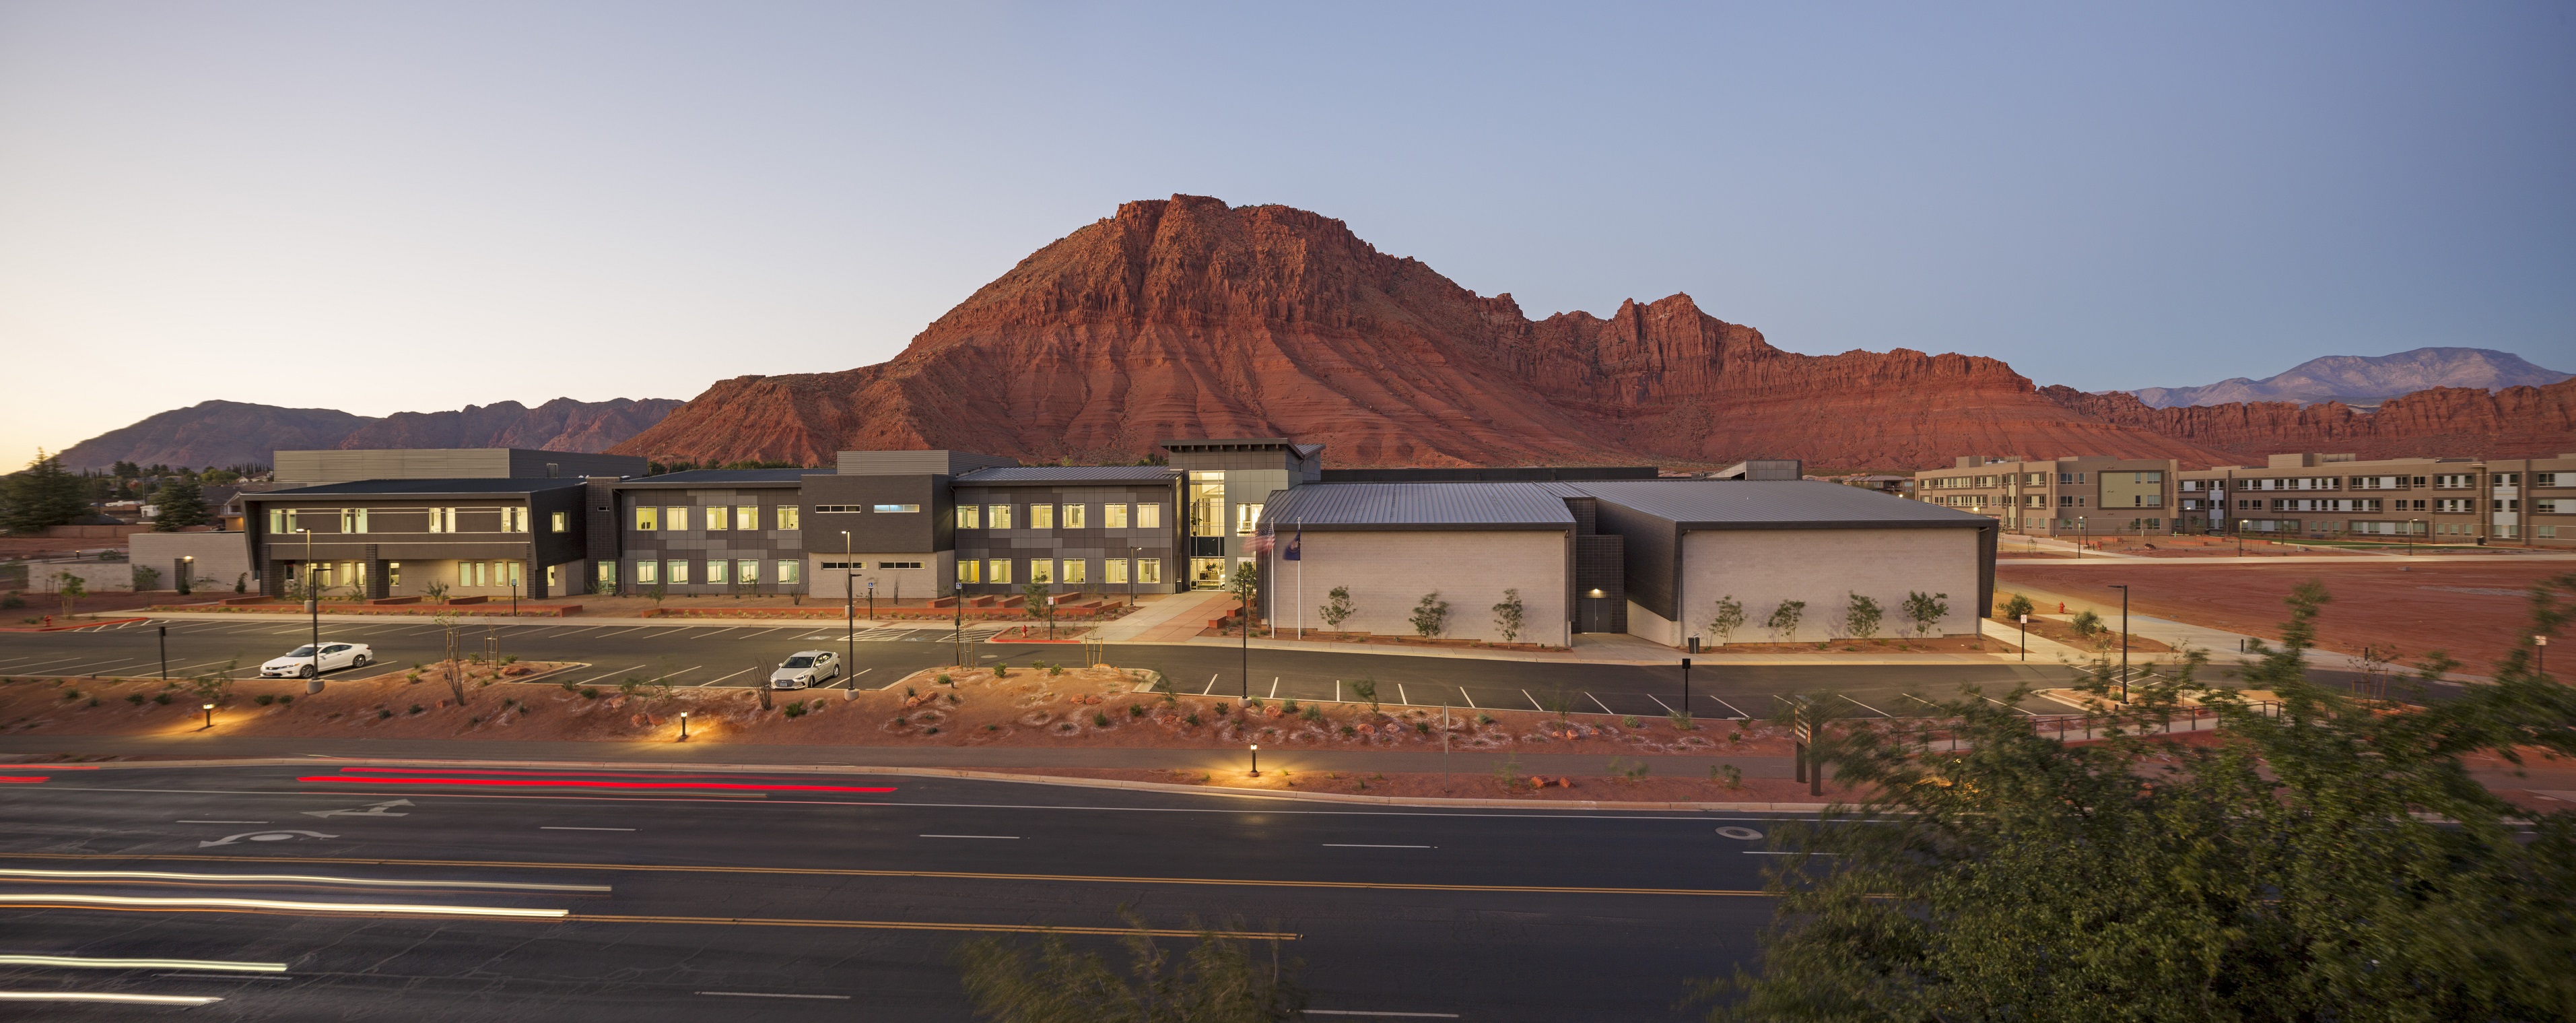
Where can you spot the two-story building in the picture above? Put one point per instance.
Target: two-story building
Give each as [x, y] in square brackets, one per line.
[2522, 501]
[2071, 498]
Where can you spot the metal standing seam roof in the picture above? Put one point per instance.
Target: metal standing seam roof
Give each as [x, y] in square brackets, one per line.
[1070, 474]
[423, 488]
[711, 477]
[1722, 503]
[1359, 506]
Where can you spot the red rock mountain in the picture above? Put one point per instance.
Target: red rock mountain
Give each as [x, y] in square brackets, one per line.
[2516, 422]
[1189, 318]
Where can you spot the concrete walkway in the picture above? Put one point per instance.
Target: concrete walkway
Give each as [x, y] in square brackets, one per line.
[1168, 618]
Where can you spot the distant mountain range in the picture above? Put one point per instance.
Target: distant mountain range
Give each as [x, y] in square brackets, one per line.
[224, 433]
[2364, 381]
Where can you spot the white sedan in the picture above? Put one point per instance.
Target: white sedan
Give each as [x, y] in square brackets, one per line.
[806, 668]
[301, 662]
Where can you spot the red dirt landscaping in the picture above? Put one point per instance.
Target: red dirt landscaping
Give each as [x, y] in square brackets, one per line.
[2475, 610]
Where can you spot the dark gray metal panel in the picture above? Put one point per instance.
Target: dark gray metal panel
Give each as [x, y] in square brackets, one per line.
[336, 465]
[723, 477]
[481, 486]
[916, 463]
[1650, 555]
[1488, 474]
[1070, 475]
[1801, 504]
[1600, 562]
[926, 531]
[1394, 506]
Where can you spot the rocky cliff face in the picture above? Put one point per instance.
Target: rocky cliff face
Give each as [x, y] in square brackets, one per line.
[2366, 379]
[1189, 318]
[2516, 422]
[222, 433]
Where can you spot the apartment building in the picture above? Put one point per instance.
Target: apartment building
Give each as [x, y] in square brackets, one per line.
[2519, 501]
[2062, 497]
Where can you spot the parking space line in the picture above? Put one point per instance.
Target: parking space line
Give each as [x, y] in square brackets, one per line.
[1867, 707]
[1400, 697]
[1471, 701]
[709, 683]
[1659, 701]
[1605, 708]
[1534, 704]
[683, 671]
[1211, 686]
[1738, 713]
[596, 678]
[1274, 687]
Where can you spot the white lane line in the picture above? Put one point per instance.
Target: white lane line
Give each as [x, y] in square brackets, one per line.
[218, 822]
[92, 996]
[596, 678]
[1471, 701]
[1767, 852]
[1011, 837]
[1363, 845]
[1534, 704]
[87, 963]
[762, 632]
[771, 994]
[728, 676]
[568, 827]
[1738, 713]
[1274, 687]
[1211, 686]
[135, 902]
[683, 671]
[1372, 1012]
[1605, 708]
[1659, 701]
[628, 629]
[1867, 707]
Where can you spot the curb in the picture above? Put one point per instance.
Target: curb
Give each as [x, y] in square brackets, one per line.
[968, 774]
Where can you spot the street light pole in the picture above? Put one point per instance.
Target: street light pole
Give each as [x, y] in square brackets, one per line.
[2025, 637]
[165, 651]
[1686, 704]
[2124, 640]
[1134, 565]
[850, 606]
[312, 607]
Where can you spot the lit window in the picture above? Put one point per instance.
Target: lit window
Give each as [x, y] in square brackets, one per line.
[1042, 570]
[1041, 516]
[998, 571]
[746, 570]
[1074, 517]
[896, 509]
[746, 516]
[559, 522]
[1074, 572]
[353, 520]
[607, 575]
[677, 571]
[647, 519]
[277, 521]
[1114, 516]
[998, 516]
[787, 517]
[969, 570]
[898, 564]
[716, 520]
[675, 518]
[791, 572]
[1149, 516]
[1117, 567]
[1149, 570]
[648, 572]
[715, 571]
[969, 517]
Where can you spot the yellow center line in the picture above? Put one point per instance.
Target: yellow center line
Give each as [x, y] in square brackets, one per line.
[954, 875]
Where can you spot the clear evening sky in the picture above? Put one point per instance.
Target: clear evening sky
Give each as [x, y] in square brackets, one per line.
[386, 206]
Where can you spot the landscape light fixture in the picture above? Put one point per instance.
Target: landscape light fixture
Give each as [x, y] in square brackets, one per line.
[187, 571]
[2539, 655]
[210, 715]
[2025, 636]
[684, 726]
[2124, 639]
[1256, 760]
[1596, 595]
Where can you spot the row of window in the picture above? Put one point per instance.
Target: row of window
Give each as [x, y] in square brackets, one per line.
[410, 520]
[1060, 516]
[711, 572]
[861, 566]
[1050, 571]
[881, 509]
[715, 518]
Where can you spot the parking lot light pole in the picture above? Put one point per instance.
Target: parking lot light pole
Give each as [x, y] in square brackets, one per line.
[1686, 706]
[850, 605]
[2025, 637]
[165, 651]
[2124, 639]
[312, 607]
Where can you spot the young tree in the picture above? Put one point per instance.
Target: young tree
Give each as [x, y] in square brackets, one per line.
[1924, 611]
[1728, 617]
[70, 588]
[1366, 689]
[2086, 623]
[1034, 593]
[1217, 981]
[1430, 615]
[146, 578]
[180, 503]
[2323, 860]
[1784, 620]
[1508, 615]
[1246, 587]
[1860, 616]
[2016, 607]
[1337, 609]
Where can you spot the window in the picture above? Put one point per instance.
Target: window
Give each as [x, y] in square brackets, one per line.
[1246, 516]
[2066, 501]
[1117, 567]
[2454, 481]
[898, 564]
[675, 518]
[2506, 504]
[998, 571]
[277, 521]
[2545, 506]
[2037, 479]
[715, 571]
[969, 516]
[716, 519]
[1113, 516]
[1074, 516]
[1041, 516]
[442, 520]
[746, 571]
[896, 509]
[2545, 532]
[558, 522]
[834, 509]
[1149, 516]
[677, 571]
[607, 575]
[514, 520]
[2508, 479]
[1074, 572]
[1042, 570]
[969, 571]
[2035, 500]
[648, 573]
[844, 565]
[647, 519]
[791, 572]
[2544, 479]
[1149, 570]
[787, 516]
[353, 520]
[2456, 505]
[746, 516]
[998, 517]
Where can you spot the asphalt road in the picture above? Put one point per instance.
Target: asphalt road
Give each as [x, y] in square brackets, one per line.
[699, 655]
[707, 902]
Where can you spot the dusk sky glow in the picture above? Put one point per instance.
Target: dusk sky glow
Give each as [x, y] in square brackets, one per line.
[290, 203]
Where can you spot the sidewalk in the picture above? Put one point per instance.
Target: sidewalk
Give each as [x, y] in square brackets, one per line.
[1167, 618]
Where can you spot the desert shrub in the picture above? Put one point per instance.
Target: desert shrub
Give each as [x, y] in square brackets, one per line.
[590, 692]
[1192, 719]
[1312, 713]
[262, 699]
[383, 714]
[415, 708]
[1135, 710]
[1348, 731]
[1628, 721]
[796, 709]
[1484, 719]
[1099, 720]
[134, 698]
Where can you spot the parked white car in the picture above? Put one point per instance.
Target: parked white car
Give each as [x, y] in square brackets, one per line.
[301, 662]
[806, 668]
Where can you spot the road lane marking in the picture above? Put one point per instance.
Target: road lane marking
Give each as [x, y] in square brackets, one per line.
[909, 925]
[1363, 845]
[770, 994]
[91, 996]
[1605, 708]
[1867, 707]
[1011, 837]
[947, 875]
[51, 900]
[568, 827]
[87, 963]
[218, 822]
[1211, 686]
[682, 671]
[1659, 701]
[619, 671]
[368, 882]
[1721, 701]
[1373, 1012]
[1274, 687]
[585, 783]
[713, 682]
[1534, 704]
[1471, 701]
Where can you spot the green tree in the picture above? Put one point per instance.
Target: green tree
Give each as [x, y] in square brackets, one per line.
[1860, 616]
[2325, 859]
[1246, 587]
[1430, 615]
[41, 495]
[1219, 980]
[1337, 608]
[70, 588]
[2086, 623]
[1784, 620]
[181, 503]
[2016, 607]
[1924, 611]
[1726, 618]
[1034, 593]
[1509, 614]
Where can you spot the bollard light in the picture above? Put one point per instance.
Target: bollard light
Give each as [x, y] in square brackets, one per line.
[210, 715]
[684, 726]
[1256, 760]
